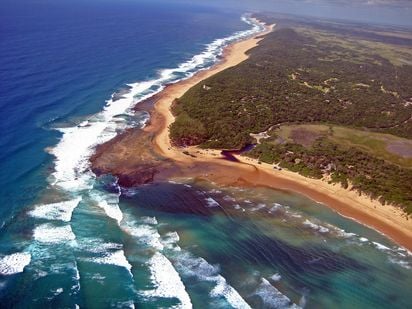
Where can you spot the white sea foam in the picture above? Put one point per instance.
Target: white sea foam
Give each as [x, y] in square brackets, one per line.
[72, 173]
[199, 268]
[72, 169]
[229, 198]
[381, 247]
[276, 277]
[76, 287]
[116, 258]
[222, 289]
[96, 245]
[329, 228]
[164, 277]
[323, 229]
[170, 241]
[302, 301]
[57, 291]
[108, 253]
[77, 143]
[258, 207]
[144, 234]
[272, 297]
[238, 207]
[126, 304]
[174, 182]
[167, 281]
[275, 207]
[395, 255]
[112, 210]
[14, 263]
[404, 251]
[149, 220]
[48, 233]
[212, 202]
[401, 262]
[314, 226]
[399, 256]
[98, 277]
[215, 49]
[61, 211]
[342, 233]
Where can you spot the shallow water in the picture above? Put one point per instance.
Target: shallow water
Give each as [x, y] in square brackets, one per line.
[195, 244]
[274, 249]
[69, 239]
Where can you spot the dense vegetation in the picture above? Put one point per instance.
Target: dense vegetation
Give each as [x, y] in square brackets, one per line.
[380, 179]
[310, 74]
[291, 77]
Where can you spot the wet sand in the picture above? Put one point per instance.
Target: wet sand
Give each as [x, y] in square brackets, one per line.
[150, 153]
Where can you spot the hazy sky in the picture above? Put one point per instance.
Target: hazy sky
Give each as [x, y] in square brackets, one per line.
[378, 11]
[395, 12]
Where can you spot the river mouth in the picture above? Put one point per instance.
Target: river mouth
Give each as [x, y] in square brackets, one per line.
[230, 154]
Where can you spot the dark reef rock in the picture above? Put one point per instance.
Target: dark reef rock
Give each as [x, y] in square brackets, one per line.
[142, 175]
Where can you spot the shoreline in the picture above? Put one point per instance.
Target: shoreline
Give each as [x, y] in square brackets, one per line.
[207, 163]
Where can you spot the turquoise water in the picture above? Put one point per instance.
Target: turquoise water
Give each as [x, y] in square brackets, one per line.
[62, 60]
[71, 240]
[190, 243]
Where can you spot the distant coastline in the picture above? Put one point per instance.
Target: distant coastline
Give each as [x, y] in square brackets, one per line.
[207, 164]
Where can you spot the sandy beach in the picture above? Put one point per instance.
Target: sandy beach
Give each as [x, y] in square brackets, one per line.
[208, 164]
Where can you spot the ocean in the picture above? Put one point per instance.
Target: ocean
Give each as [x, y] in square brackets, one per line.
[70, 76]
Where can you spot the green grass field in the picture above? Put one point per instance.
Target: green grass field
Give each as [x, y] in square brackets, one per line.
[376, 144]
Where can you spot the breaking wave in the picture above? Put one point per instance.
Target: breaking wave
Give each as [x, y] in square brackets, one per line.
[14, 263]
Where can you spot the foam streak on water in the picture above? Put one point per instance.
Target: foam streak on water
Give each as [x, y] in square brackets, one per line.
[197, 267]
[164, 277]
[272, 297]
[167, 281]
[61, 211]
[14, 263]
[77, 143]
[116, 258]
[48, 233]
[72, 177]
[109, 202]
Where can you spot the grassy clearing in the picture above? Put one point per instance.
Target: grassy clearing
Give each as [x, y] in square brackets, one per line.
[375, 144]
[397, 55]
[398, 34]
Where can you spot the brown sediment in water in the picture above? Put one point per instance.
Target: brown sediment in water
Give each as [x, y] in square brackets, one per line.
[143, 156]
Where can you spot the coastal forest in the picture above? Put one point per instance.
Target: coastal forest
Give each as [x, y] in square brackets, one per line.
[306, 73]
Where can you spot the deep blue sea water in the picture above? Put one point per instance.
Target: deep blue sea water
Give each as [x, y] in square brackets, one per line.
[68, 239]
[62, 61]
